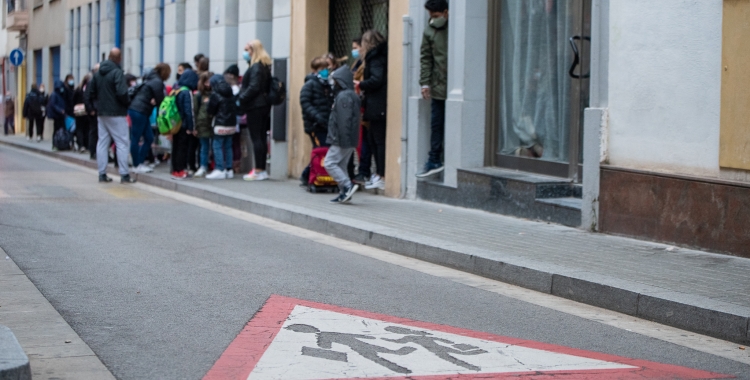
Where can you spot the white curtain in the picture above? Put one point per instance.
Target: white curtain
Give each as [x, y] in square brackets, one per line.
[535, 90]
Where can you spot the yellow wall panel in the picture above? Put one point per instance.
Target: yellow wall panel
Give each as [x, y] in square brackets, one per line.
[735, 86]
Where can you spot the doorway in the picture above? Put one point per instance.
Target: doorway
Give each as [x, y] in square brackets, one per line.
[538, 69]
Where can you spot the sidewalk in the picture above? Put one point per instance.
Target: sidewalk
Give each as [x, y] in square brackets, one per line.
[692, 290]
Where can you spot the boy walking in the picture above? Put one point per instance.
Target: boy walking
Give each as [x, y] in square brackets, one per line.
[343, 132]
[434, 80]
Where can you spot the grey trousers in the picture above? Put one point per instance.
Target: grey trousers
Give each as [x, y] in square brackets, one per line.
[336, 162]
[113, 128]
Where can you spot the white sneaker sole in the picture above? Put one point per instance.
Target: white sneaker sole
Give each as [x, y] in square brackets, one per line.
[431, 172]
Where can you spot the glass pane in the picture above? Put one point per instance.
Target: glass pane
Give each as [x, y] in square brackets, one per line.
[536, 97]
[350, 18]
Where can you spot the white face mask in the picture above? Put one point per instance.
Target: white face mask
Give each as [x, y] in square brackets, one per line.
[438, 22]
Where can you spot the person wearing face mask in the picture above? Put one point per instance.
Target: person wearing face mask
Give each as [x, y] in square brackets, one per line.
[69, 85]
[365, 154]
[254, 103]
[434, 80]
[316, 101]
[343, 133]
[375, 89]
[203, 121]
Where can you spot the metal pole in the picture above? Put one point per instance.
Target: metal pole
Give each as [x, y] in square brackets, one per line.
[406, 84]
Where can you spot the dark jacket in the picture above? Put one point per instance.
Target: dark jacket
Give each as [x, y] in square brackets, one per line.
[375, 84]
[433, 61]
[343, 123]
[152, 88]
[69, 96]
[56, 105]
[184, 99]
[203, 121]
[108, 90]
[32, 105]
[222, 105]
[316, 100]
[255, 86]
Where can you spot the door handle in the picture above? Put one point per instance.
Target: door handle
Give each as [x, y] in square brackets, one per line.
[577, 59]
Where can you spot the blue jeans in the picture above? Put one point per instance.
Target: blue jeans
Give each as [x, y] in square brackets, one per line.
[141, 128]
[205, 146]
[437, 129]
[223, 152]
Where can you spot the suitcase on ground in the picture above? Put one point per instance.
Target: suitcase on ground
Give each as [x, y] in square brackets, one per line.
[319, 180]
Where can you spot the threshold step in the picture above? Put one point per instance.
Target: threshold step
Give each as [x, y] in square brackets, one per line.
[568, 202]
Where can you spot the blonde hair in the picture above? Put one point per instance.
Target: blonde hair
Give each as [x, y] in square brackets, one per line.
[259, 54]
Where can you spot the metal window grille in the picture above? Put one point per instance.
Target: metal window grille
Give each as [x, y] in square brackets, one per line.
[348, 19]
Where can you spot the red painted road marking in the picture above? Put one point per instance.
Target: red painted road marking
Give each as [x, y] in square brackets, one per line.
[245, 352]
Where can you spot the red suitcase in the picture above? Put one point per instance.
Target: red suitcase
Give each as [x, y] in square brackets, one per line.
[319, 180]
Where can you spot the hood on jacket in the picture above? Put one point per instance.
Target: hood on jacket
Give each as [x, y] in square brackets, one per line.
[188, 79]
[344, 77]
[220, 86]
[107, 66]
[59, 85]
[381, 49]
[310, 76]
[151, 76]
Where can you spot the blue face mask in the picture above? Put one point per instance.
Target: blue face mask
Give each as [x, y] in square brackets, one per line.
[323, 73]
[355, 53]
[246, 56]
[71, 83]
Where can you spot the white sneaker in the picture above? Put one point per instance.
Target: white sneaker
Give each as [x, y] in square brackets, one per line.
[376, 182]
[230, 173]
[256, 176]
[140, 169]
[217, 174]
[201, 172]
[28, 138]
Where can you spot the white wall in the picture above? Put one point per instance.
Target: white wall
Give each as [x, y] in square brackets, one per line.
[665, 85]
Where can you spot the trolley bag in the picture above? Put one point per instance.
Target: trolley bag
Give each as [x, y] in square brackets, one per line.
[62, 139]
[319, 180]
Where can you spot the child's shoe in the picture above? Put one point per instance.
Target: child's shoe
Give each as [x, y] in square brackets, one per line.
[201, 172]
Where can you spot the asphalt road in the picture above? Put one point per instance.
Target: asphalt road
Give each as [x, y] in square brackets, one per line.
[159, 288]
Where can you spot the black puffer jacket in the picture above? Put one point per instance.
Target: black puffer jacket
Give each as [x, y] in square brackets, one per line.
[375, 84]
[152, 88]
[109, 90]
[222, 105]
[316, 101]
[255, 85]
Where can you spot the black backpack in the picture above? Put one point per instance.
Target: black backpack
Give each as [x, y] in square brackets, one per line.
[35, 104]
[62, 139]
[276, 92]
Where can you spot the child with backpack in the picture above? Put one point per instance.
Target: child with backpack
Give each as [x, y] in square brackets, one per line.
[343, 132]
[183, 102]
[203, 121]
[223, 107]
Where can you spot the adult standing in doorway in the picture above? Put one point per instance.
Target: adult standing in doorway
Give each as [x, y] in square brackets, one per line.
[254, 103]
[110, 92]
[434, 80]
[375, 89]
[149, 96]
[33, 111]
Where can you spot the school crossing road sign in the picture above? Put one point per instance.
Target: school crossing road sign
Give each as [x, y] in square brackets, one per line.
[300, 340]
[16, 57]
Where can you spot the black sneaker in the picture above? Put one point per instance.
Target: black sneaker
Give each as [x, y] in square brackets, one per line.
[340, 199]
[430, 168]
[350, 192]
[104, 178]
[359, 178]
[127, 179]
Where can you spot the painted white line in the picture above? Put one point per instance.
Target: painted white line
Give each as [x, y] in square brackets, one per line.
[665, 333]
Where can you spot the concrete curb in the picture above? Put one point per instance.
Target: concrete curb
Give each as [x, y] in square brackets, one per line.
[688, 312]
[14, 364]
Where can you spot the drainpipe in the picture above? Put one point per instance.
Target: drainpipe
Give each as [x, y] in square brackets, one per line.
[406, 83]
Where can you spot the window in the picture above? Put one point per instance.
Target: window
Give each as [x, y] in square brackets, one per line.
[38, 67]
[54, 53]
[161, 30]
[98, 30]
[141, 28]
[72, 37]
[91, 26]
[78, 41]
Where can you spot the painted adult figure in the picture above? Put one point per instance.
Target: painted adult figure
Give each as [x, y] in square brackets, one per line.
[434, 80]
[254, 103]
[149, 96]
[109, 90]
[375, 89]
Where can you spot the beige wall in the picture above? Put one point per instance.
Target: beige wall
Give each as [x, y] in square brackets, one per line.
[47, 25]
[394, 125]
[734, 151]
[309, 39]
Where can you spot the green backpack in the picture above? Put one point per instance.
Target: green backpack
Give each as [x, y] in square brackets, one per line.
[168, 119]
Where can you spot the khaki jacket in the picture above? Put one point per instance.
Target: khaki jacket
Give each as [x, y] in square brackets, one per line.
[434, 61]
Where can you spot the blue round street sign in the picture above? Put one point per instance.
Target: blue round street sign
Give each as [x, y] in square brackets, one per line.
[16, 57]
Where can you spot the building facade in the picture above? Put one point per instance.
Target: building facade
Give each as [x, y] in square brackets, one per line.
[587, 113]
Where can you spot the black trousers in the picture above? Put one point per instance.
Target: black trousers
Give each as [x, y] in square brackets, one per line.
[259, 123]
[377, 145]
[93, 135]
[180, 146]
[39, 121]
[82, 132]
[192, 152]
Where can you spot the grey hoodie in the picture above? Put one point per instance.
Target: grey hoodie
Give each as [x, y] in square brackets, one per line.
[343, 123]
